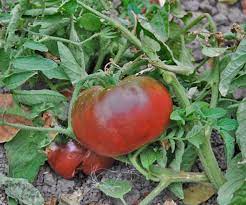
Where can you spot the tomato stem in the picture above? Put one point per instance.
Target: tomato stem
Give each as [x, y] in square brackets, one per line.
[209, 161]
[171, 79]
[156, 191]
[134, 40]
[198, 20]
[39, 129]
[168, 177]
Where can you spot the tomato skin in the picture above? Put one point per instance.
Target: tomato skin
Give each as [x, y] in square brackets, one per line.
[94, 163]
[64, 159]
[118, 120]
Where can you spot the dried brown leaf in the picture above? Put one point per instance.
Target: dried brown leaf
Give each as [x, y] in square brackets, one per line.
[51, 201]
[196, 194]
[71, 199]
[6, 132]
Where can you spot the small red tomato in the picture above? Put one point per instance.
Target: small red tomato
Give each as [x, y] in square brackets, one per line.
[94, 163]
[64, 159]
[120, 119]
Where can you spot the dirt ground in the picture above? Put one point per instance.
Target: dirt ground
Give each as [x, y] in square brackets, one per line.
[83, 188]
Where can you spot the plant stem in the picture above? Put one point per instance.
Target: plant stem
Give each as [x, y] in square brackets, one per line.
[190, 177]
[168, 176]
[209, 161]
[54, 38]
[215, 85]
[156, 191]
[134, 160]
[134, 40]
[120, 52]
[40, 129]
[198, 20]
[123, 201]
[171, 79]
[130, 66]
[102, 54]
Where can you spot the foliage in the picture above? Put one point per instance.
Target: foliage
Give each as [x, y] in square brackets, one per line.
[48, 46]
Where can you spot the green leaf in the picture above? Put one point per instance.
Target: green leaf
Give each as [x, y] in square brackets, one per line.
[239, 196]
[229, 144]
[177, 188]
[15, 80]
[33, 97]
[150, 46]
[235, 176]
[69, 7]
[50, 24]
[33, 45]
[159, 24]
[4, 60]
[239, 82]
[56, 73]
[227, 124]
[161, 157]
[178, 115]
[214, 113]
[90, 22]
[77, 52]
[189, 158]
[176, 162]
[71, 67]
[196, 135]
[24, 154]
[213, 52]
[147, 157]
[115, 188]
[232, 69]
[241, 130]
[33, 63]
[21, 190]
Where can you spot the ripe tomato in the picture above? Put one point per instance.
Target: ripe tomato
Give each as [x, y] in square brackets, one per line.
[120, 119]
[65, 159]
[94, 163]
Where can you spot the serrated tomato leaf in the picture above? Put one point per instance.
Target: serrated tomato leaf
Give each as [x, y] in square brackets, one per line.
[232, 69]
[15, 80]
[115, 188]
[21, 190]
[34, 45]
[24, 154]
[235, 176]
[34, 97]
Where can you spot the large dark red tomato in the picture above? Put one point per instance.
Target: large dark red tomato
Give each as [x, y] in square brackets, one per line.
[66, 159]
[120, 119]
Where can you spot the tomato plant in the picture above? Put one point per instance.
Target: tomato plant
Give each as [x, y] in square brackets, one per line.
[126, 87]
